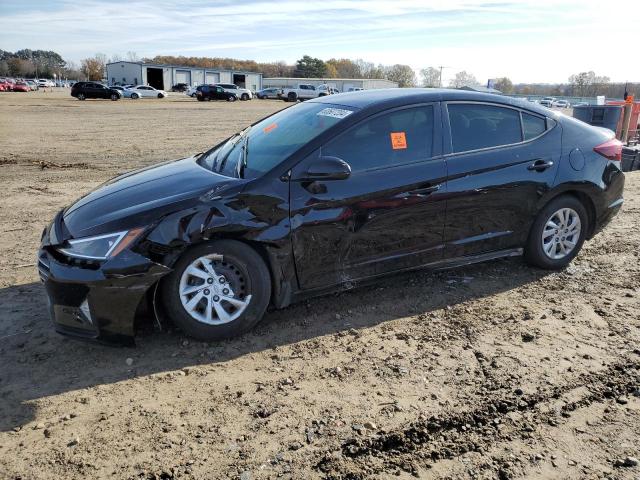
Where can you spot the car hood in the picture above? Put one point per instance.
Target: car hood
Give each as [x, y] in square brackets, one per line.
[141, 197]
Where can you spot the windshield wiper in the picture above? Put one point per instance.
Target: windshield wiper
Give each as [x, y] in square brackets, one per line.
[242, 163]
[239, 137]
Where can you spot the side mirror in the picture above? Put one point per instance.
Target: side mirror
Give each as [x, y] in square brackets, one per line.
[325, 168]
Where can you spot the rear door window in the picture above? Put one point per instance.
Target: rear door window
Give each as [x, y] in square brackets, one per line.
[386, 140]
[476, 126]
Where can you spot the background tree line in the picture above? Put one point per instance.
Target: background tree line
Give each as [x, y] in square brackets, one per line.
[43, 63]
[36, 63]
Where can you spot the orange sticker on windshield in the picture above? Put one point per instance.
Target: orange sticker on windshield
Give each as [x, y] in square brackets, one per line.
[270, 128]
[398, 140]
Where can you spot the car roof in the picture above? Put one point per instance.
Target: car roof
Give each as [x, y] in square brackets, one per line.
[379, 99]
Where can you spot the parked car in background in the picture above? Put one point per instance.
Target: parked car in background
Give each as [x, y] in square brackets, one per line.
[21, 87]
[547, 101]
[269, 93]
[304, 91]
[581, 104]
[180, 87]
[5, 86]
[44, 83]
[84, 90]
[145, 91]
[561, 104]
[124, 91]
[241, 93]
[33, 85]
[355, 89]
[214, 92]
[191, 91]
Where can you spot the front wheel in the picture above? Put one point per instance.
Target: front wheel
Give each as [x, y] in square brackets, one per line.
[292, 97]
[217, 290]
[81, 96]
[558, 233]
[244, 97]
[160, 95]
[115, 97]
[231, 99]
[135, 96]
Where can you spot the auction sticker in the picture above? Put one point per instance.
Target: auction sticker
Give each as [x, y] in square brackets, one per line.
[398, 140]
[270, 128]
[334, 112]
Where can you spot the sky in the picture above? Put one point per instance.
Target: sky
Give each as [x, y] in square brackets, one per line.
[528, 41]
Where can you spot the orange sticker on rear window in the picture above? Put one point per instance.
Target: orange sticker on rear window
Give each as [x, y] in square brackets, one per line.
[270, 128]
[398, 140]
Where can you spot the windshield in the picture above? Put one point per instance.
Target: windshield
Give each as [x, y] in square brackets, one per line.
[259, 148]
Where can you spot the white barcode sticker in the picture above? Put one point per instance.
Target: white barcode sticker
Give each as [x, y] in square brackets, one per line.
[335, 112]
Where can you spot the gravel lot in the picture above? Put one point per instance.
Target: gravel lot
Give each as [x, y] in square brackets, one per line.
[489, 371]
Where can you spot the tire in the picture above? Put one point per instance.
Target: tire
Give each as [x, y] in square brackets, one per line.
[114, 97]
[135, 96]
[200, 99]
[244, 272]
[160, 95]
[244, 97]
[193, 95]
[535, 253]
[292, 97]
[232, 99]
[81, 96]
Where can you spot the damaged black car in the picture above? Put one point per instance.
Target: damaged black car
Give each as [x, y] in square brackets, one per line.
[326, 195]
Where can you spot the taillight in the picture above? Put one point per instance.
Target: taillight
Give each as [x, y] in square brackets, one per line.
[611, 149]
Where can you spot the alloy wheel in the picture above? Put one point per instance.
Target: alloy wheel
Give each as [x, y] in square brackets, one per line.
[213, 290]
[561, 233]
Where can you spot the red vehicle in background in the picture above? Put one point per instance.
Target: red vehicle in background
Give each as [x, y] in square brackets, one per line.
[21, 87]
[5, 86]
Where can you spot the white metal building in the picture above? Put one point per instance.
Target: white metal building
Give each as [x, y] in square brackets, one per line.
[164, 77]
[341, 84]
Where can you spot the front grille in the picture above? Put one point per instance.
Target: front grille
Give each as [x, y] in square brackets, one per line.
[43, 268]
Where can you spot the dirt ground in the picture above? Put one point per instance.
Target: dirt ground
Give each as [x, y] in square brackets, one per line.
[489, 371]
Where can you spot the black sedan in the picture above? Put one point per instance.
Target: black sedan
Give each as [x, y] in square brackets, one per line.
[326, 195]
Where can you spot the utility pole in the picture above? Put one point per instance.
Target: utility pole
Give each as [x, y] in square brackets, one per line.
[441, 67]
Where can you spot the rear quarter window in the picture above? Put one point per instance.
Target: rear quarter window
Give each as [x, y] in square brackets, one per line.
[533, 126]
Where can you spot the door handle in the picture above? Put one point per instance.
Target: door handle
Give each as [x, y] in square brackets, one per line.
[540, 165]
[425, 190]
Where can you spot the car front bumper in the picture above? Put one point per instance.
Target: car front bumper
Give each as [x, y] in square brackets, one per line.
[97, 303]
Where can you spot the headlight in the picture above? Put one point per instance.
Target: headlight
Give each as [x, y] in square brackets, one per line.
[101, 247]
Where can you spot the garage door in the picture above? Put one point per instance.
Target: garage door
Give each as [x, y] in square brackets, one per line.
[211, 78]
[183, 76]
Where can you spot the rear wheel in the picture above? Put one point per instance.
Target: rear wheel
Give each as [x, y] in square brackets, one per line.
[135, 96]
[217, 290]
[115, 97]
[558, 233]
[160, 95]
[245, 97]
[292, 97]
[81, 96]
[231, 99]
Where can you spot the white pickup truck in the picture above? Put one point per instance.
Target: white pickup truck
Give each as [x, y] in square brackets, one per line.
[304, 91]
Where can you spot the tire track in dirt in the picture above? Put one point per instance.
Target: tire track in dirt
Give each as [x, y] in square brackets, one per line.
[429, 440]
